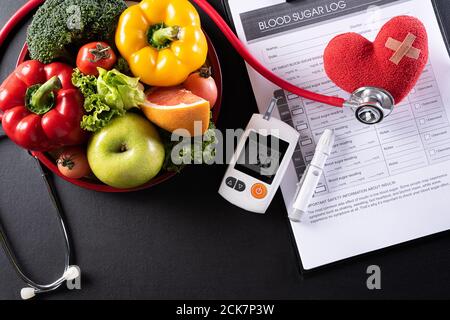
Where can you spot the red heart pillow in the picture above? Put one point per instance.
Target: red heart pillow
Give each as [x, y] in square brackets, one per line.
[351, 61]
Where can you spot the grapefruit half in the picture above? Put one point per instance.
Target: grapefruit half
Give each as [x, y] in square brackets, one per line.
[176, 108]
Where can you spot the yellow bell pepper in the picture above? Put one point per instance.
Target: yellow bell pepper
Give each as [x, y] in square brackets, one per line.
[162, 41]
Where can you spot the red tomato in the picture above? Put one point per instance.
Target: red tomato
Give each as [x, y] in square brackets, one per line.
[73, 163]
[93, 55]
[203, 85]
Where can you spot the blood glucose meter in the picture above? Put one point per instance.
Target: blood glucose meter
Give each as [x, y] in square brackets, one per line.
[260, 161]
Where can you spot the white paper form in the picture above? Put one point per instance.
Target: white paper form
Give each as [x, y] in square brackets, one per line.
[383, 184]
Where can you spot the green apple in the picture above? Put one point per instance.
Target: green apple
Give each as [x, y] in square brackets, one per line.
[127, 153]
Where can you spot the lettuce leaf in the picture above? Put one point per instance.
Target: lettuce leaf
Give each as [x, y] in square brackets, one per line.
[119, 90]
[99, 113]
[86, 84]
[111, 94]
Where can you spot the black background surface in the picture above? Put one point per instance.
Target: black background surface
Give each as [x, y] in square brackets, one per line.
[180, 240]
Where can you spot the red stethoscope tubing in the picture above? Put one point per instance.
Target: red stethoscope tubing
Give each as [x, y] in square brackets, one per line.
[262, 70]
[227, 32]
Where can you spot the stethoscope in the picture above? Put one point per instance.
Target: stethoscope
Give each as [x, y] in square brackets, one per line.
[70, 272]
[369, 104]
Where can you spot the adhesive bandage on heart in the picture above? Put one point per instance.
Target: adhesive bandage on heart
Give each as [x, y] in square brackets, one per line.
[403, 49]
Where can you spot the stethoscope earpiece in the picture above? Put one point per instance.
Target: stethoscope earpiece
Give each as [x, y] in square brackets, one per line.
[27, 293]
[370, 104]
[70, 274]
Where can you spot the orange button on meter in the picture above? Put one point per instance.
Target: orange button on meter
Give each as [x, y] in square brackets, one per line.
[259, 191]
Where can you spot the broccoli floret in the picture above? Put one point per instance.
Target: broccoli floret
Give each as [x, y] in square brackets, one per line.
[61, 26]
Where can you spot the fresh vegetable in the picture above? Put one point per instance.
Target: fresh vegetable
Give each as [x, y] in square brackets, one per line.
[42, 109]
[73, 163]
[60, 27]
[203, 85]
[108, 96]
[199, 151]
[95, 55]
[119, 90]
[127, 153]
[162, 41]
[177, 108]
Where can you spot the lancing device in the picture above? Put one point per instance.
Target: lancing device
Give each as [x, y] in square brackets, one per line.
[311, 178]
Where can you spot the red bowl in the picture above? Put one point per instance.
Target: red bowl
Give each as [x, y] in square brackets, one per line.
[213, 60]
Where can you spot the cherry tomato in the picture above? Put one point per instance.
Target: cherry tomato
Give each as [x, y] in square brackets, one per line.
[73, 163]
[203, 85]
[93, 55]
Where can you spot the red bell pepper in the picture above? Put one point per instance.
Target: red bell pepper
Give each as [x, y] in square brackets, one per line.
[42, 110]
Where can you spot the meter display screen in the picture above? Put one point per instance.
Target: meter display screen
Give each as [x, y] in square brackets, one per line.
[262, 156]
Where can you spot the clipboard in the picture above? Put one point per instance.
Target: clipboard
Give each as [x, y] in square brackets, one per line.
[445, 31]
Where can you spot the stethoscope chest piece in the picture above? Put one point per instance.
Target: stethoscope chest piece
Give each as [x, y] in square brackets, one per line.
[371, 105]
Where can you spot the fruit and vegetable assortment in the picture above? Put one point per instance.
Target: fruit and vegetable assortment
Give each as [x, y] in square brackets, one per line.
[107, 84]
